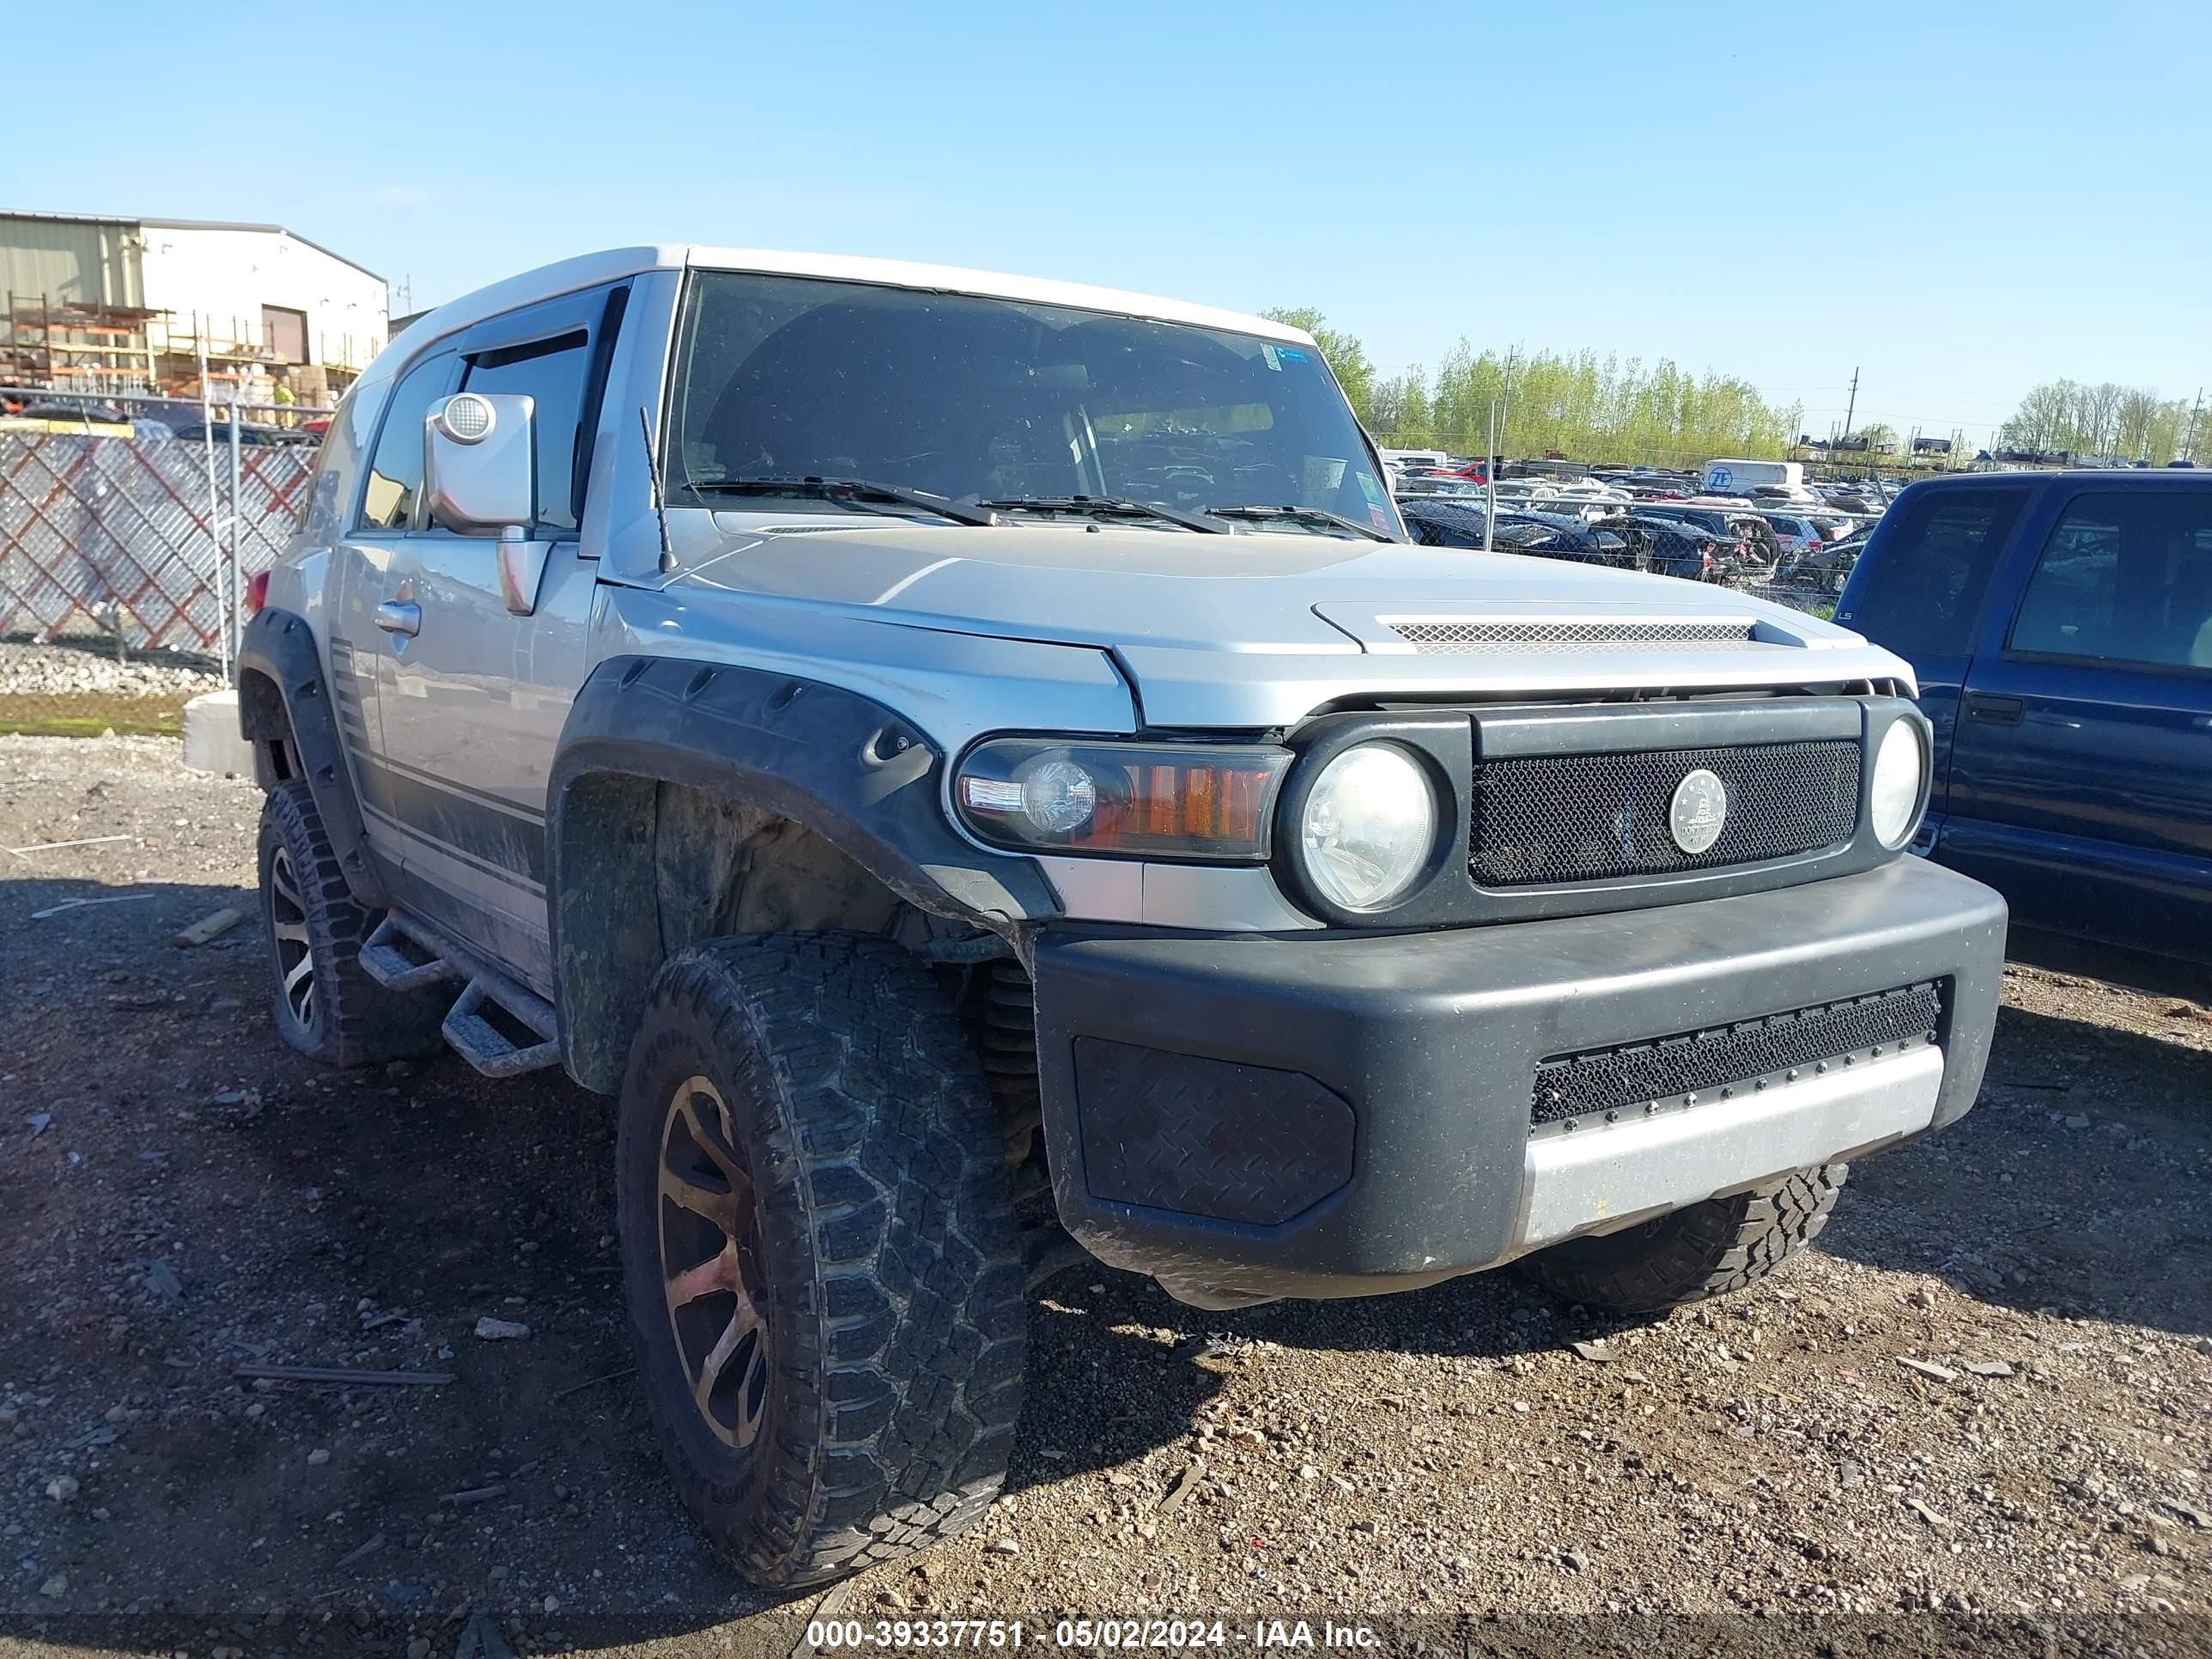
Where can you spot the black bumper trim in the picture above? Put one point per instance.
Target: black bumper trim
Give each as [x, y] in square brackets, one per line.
[1606, 1082]
[1433, 1039]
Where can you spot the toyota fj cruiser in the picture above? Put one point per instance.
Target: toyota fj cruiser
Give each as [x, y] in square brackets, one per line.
[946, 751]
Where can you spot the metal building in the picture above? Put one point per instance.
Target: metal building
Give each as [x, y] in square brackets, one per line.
[111, 305]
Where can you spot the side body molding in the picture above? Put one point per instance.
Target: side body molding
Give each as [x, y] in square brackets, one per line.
[837, 764]
[280, 688]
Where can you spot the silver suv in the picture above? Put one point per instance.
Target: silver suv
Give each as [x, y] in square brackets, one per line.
[965, 763]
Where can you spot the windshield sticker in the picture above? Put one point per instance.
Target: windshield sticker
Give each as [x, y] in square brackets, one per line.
[1369, 488]
[1381, 519]
[1268, 352]
[1290, 354]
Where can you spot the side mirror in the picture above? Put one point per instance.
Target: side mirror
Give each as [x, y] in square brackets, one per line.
[478, 462]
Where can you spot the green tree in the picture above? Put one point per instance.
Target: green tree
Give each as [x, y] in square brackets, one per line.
[2075, 418]
[1398, 411]
[1574, 404]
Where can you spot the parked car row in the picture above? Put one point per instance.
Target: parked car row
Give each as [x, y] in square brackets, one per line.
[178, 419]
[1670, 547]
[1790, 533]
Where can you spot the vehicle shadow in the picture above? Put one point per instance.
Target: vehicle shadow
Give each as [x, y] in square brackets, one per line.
[2137, 970]
[1117, 1368]
[2076, 1186]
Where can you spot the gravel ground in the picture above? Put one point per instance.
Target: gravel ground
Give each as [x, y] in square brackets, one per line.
[79, 665]
[1449, 1468]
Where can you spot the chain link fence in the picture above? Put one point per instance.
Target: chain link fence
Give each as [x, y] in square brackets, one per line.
[149, 539]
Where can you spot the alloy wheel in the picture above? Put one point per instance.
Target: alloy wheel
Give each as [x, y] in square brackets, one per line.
[287, 923]
[710, 1264]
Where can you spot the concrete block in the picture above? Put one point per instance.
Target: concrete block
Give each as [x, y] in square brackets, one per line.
[211, 739]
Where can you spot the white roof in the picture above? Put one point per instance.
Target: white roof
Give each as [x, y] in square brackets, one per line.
[590, 269]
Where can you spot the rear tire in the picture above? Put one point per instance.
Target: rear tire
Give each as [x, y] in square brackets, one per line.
[824, 1271]
[1707, 1250]
[325, 1006]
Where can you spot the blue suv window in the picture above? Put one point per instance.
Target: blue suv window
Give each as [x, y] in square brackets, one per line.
[1933, 556]
[1935, 561]
[2126, 577]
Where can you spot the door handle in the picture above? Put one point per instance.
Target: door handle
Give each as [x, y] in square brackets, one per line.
[399, 616]
[1995, 711]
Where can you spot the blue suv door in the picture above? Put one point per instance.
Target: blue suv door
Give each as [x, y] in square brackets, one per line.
[2080, 781]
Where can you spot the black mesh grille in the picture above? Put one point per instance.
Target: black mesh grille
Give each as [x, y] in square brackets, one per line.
[1613, 1080]
[1582, 817]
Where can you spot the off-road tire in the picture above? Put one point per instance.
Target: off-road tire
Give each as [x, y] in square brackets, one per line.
[889, 1258]
[354, 1021]
[1707, 1250]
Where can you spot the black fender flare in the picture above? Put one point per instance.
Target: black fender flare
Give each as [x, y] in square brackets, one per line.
[281, 693]
[840, 764]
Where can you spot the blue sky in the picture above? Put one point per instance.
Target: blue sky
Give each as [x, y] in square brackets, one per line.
[1959, 199]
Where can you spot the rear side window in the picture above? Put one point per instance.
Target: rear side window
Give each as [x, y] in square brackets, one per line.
[395, 476]
[1922, 598]
[553, 372]
[2126, 577]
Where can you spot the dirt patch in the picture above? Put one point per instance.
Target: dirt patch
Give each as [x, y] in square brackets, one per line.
[183, 1195]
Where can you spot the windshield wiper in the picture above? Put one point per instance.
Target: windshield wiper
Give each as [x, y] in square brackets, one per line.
[1304, 515]
[1106, 507]
[859, 492]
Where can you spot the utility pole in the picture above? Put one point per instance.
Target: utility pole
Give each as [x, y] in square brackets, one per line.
[2189, 448]
[1502, 408]
[1490, 492]
[1852, 407]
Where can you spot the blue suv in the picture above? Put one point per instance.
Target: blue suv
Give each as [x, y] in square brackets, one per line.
[2061, 624]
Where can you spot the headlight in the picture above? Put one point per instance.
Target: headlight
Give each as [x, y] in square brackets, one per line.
[1369, 825]
[1901, 774]
[1205, 801]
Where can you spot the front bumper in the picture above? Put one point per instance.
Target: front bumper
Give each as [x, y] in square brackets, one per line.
[1339, 1114]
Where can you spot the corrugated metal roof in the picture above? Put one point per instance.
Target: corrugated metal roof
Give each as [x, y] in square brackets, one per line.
[132, 221]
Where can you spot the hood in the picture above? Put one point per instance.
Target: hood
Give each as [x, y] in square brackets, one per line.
[1258, 629]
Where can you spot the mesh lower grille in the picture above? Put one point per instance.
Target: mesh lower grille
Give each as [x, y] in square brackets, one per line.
[1541, 634]
[1583, 818]
[1614, 1079]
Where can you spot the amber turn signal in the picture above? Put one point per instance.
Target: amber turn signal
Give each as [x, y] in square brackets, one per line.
[1202, 801]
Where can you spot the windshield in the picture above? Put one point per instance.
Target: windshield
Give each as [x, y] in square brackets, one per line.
[977, 400]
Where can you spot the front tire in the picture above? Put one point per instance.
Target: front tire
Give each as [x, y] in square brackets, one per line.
[1686, 1256]
[823, 1273]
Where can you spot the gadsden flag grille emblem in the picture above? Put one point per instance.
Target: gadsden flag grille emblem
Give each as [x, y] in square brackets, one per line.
[1699, 811]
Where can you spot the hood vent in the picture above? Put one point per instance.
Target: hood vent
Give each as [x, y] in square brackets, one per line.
[1455, 636]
